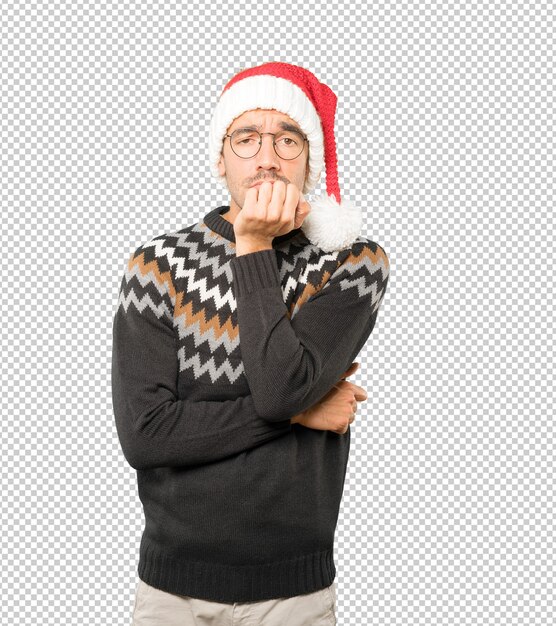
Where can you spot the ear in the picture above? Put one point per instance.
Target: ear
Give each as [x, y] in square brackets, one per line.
[221, 166]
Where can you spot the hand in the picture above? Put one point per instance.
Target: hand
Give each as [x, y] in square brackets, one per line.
[269, 211]
[335, 412]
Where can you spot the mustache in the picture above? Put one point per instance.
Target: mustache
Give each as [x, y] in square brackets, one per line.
[263, 178]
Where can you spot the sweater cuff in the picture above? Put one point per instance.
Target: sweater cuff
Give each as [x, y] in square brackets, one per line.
[255, 271]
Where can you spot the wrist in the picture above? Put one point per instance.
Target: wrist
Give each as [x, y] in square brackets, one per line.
[246, 246]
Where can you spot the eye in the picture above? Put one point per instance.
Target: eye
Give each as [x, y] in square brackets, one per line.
[288, 140]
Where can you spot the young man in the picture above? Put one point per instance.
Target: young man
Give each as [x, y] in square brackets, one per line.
[231, 344]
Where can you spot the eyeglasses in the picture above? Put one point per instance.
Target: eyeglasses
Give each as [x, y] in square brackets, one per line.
[288, 144]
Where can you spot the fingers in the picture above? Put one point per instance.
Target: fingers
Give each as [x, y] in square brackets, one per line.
[358, 392]
[282, 200]
[278, 203]
[250, 203]
[266, 199]
[291, 203]
[302, 211]
[351, 369]
[273, 195]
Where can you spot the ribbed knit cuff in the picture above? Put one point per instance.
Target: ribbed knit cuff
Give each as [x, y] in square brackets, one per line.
[255, 271]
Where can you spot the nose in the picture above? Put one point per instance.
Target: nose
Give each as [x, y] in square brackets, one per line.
[266, 156]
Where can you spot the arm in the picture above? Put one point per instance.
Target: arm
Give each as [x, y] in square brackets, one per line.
[291, 363]
[154, 426]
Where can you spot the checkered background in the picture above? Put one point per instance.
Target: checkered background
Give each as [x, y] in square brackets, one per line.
[445, 133]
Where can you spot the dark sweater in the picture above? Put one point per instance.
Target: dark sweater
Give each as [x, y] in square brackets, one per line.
[240, 505]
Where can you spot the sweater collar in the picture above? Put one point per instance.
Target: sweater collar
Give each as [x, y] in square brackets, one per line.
[218, 224]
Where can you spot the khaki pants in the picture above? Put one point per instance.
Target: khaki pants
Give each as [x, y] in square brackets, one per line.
[154, 607]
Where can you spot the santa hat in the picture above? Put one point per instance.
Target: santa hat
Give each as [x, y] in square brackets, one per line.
[333, 223]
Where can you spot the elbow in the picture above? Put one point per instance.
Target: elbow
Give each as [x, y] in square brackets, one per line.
[278, 398]
[273, 406]
[140, 458]
[133, 453]
[135, 449]
[133, 460]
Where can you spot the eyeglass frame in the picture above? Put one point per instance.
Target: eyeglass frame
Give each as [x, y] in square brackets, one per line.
[305, 139]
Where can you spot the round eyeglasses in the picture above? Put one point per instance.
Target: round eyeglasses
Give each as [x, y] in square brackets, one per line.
[288, 144]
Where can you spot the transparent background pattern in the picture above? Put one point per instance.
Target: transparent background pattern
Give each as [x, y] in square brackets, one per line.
[445, 136]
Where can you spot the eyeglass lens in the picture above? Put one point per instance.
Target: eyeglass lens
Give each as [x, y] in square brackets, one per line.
[246, 143]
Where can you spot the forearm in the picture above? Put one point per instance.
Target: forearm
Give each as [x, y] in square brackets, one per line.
[245, 246]
[292, 362]
[182, 433]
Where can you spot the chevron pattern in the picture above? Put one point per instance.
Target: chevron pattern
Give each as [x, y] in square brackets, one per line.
[184, 279]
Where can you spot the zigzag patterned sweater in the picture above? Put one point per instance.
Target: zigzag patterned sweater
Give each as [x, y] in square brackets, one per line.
[213, 354]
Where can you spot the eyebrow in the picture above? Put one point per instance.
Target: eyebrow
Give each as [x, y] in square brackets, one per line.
[282, 125]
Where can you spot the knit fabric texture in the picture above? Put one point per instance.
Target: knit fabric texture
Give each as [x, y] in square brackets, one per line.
[212, 356]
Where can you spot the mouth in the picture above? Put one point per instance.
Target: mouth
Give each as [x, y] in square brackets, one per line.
[260, 182]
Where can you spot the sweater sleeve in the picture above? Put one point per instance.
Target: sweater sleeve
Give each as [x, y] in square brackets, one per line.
[154, 426]
[290, 364]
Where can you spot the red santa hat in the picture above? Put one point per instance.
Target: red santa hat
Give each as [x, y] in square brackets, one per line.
[333, 223]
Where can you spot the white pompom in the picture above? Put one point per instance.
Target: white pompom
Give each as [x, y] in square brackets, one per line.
[332, 226]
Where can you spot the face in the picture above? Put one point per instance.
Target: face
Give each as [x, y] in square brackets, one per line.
[241, 174]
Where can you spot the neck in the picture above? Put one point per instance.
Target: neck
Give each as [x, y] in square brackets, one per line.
[232, 213]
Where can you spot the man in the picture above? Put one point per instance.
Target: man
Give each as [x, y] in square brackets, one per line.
[232, 341]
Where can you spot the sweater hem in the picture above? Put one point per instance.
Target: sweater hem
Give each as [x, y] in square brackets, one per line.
[218, 582]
